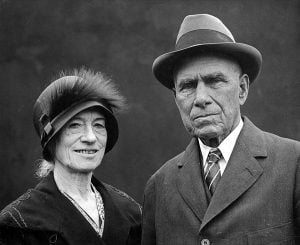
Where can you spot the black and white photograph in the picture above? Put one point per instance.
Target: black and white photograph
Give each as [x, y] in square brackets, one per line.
[150, 122]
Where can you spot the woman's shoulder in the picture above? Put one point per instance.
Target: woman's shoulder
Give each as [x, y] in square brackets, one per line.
[26, 211]
[121, 195]
[126, 205]
[13, 214]
[120, 198]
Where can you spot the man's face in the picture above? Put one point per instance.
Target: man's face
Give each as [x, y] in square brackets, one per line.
[209, 91]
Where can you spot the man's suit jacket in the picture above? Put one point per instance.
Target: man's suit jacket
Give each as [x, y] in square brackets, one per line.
[257, 200]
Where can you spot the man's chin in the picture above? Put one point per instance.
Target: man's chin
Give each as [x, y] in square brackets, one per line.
[206, 133]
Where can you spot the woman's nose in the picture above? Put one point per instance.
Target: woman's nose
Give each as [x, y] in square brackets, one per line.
[89, 134]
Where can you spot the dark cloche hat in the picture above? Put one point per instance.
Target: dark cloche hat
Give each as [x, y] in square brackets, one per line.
[204, 33]
[71, 94]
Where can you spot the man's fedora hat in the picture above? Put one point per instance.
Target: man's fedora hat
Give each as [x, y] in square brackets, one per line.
[204, 33]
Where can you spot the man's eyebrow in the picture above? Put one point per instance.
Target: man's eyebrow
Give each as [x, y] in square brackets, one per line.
[214, 75]
[205, 78]
[187, 79]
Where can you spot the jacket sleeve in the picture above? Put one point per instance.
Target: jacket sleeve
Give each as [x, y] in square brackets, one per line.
[297, 202]
[135, 232]
[134, 237]
[11, 236]
[148, 218]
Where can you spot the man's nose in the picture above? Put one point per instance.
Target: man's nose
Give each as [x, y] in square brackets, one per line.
[89, 134]
[202, 97]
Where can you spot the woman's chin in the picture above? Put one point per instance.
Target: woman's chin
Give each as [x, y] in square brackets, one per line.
[84, 166]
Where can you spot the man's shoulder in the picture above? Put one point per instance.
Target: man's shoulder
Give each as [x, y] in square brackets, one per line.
[281, 140]
[257, 138]
[170, 165]
[167, 170]
[277, 143]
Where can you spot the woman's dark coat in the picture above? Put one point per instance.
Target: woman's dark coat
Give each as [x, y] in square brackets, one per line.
[44, 216]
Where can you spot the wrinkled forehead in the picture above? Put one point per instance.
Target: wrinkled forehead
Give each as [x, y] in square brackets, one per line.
[206, 63]
[92, 113]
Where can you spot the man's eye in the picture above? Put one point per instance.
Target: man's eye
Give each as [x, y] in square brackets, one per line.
[188, 85]
[215, 81]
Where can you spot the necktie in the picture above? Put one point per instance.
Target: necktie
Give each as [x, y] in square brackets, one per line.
[212, 171]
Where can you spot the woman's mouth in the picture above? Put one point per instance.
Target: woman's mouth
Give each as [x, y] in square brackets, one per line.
[86, 151]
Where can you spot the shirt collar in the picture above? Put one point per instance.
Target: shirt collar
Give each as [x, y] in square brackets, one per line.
[226, 146]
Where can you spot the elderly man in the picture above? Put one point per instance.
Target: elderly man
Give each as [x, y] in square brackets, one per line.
[233, 184]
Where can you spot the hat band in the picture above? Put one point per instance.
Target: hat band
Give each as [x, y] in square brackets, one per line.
[63, 117]
[202, 36]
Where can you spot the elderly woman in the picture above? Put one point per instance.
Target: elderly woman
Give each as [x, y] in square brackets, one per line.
[74, 119]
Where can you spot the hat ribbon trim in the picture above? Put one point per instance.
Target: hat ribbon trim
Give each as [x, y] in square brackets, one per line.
[69, 112]
[200, 37]
[44, 120]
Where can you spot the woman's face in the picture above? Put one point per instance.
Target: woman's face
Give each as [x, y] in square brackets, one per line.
[81, 143]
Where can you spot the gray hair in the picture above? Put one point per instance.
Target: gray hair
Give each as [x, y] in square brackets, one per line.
[44, 168]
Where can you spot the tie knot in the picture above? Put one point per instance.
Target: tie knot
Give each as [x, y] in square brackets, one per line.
[214, 155]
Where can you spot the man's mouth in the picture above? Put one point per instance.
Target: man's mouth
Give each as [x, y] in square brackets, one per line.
[203, 116]
[86, 151]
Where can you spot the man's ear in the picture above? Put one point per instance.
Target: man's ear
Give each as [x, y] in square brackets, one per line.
[174, 91]
[174, 96]
[243, 88]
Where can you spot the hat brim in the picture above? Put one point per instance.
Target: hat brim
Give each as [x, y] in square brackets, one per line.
[111, 123]
[249, 58]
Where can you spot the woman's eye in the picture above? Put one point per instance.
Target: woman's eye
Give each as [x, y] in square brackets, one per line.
[99, 125]
[74, 125]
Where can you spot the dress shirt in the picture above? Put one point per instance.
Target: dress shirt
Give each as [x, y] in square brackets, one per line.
[225, 147]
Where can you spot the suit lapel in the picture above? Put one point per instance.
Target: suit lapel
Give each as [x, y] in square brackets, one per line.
[241, 173]
[189, 181]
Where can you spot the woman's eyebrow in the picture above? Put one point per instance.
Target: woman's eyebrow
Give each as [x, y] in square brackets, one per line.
[82, 118]
[76, 118]
[99, 119]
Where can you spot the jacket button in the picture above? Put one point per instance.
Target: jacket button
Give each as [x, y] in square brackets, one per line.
[205, 242]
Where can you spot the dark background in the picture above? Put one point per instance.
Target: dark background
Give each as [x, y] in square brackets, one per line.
[122, 38]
